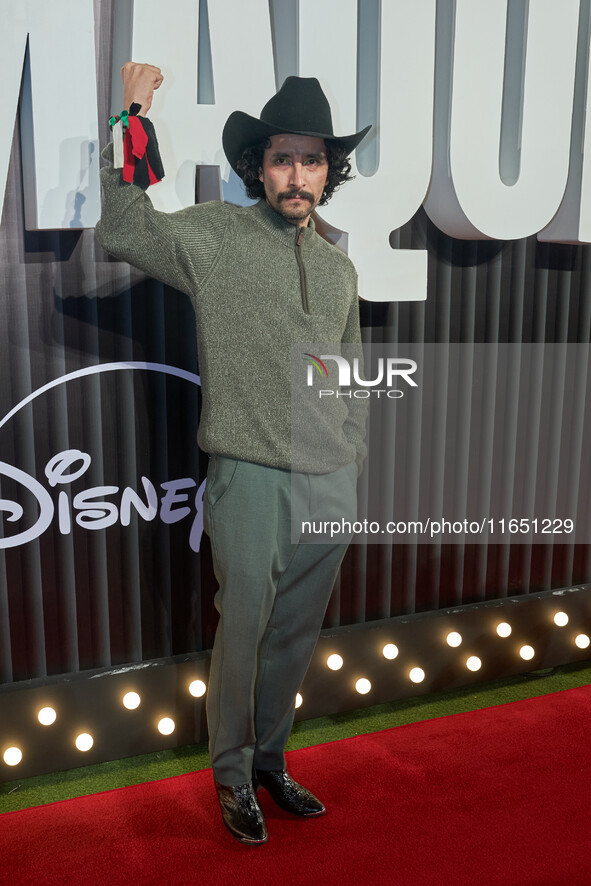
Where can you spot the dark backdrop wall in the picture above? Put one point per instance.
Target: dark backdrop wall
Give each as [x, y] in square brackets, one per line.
[77, 597]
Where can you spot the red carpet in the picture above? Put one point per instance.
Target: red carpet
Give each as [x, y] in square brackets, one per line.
[499, 796]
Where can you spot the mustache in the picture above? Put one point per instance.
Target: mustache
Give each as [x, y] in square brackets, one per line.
[287, 195]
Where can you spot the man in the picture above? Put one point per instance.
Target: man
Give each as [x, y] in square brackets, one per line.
[261, 279]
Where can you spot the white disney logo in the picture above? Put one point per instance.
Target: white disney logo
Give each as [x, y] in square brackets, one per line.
[90, 507]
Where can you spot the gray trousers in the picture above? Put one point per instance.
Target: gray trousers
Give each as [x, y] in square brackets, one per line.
[272, 599]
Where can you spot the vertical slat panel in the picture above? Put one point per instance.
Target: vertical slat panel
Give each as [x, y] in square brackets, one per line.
[490, 289]
[6, 671]
[441, 336]
[24, 439]
[387, 576]
[127, 474]
[510, 399]
[580, 399]
[160, 345]
[464, 389]
[560, 327]
[10, 250]
[57, 426]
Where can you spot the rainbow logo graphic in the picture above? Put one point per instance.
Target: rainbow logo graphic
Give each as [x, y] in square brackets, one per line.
[317, 362]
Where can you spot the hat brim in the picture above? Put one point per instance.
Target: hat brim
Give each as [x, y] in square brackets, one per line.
[242, 130]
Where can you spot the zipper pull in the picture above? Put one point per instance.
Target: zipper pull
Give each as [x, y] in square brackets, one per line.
[299, 237]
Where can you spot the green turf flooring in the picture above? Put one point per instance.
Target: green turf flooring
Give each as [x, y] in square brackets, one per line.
[23, 793]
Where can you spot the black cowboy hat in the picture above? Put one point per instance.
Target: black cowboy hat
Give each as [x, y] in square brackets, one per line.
[300, 108]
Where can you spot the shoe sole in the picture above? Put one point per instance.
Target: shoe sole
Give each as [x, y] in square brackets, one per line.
[247, 841]
[316, 814]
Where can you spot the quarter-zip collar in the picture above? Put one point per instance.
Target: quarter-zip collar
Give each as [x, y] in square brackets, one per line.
[282, 229]
[296, 238]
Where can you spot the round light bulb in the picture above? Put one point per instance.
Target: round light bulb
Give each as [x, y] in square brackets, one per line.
[527, 652]
[390, 651]
[363, 686]
[504, 629]
[131, 701]
[561, 619]
[166, 726]
[473, 663]
[46, 716]
[417, 675]
[84, 741]
[453, 638]
[197, 688]
[12, 756]
[582, 641]
[335, 662]
[299, 700]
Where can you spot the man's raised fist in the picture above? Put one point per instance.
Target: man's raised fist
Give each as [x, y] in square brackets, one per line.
[139, 83]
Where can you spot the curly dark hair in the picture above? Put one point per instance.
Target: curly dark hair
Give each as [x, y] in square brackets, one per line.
[251, 161]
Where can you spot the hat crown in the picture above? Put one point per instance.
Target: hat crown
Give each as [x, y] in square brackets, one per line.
[300, 105]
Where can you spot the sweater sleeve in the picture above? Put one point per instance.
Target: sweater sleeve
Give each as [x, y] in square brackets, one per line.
[178, 248]
[354, 427]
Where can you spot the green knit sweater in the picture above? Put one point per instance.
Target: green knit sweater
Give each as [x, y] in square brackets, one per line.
[259, 285]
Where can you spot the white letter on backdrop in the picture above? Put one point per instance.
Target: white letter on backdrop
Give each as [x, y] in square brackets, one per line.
[467, 197]
[243, 78]
[59, 129]
[572, 222]
[370, 207]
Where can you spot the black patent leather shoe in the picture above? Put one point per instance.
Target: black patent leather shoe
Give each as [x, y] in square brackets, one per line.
[241, 813]
[287, 793]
